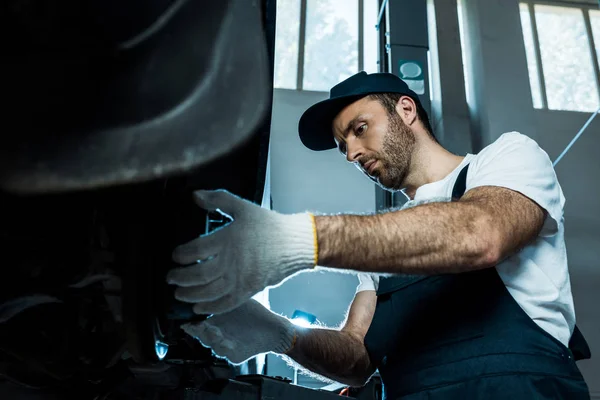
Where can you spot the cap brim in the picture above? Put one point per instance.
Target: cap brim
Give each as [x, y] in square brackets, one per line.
[315, 128]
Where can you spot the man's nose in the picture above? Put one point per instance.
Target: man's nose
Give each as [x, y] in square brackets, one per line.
[354, 149]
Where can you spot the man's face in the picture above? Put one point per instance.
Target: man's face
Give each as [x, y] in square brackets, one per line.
[380, 145]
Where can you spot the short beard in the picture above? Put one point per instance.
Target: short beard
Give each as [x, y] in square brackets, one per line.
[396, 155]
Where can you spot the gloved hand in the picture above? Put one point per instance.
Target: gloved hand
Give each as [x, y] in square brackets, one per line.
[259, 248]
[240, 334]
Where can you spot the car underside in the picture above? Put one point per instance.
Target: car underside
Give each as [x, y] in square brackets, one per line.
[118, 113]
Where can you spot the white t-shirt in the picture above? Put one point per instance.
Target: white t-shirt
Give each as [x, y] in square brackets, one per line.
[537, 277]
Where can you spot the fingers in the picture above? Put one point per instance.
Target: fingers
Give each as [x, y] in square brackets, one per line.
[195, 330]
[220, 200]
[201, 248]
[225, 348]
[209, 292]
[201, 273]
[221, 305]
[206, 333]
[212, 336]
[251, 307]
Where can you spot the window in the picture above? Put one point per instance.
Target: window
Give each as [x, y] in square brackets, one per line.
[317, 42]
[562, 55]
[331, 46]
[534, 78]
[464, 48]
[287, 32]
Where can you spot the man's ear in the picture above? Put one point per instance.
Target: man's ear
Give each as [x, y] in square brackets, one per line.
[407, 109]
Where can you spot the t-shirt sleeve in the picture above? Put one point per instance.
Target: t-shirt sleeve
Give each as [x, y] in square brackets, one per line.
[516, 162]
[367, 282]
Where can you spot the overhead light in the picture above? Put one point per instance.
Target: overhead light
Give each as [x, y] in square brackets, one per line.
[303, 319]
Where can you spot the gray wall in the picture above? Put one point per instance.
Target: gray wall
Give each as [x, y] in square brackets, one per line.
[302, 179]
[578, 174]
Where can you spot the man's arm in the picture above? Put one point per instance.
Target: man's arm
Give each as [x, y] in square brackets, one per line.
[339, 355]
[488, 224]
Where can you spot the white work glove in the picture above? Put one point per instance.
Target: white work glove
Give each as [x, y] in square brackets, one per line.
[243, 333]
[259, 248]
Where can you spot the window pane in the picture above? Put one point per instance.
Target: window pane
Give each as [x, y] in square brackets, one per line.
[532, 66]
[370, 52]
[331, 48]
[566, 60]
[595, 22]
[287, 33]
[465, 45]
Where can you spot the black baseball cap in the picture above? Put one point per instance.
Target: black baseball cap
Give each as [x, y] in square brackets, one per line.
[315, 124]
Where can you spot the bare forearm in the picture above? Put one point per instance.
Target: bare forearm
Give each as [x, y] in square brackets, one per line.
[427, 239]
[337, 355]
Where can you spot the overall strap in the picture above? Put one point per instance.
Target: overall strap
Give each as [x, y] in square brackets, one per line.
[578, 345]
[461, 184]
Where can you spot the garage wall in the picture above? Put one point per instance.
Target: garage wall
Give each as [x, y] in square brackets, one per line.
[579, 173]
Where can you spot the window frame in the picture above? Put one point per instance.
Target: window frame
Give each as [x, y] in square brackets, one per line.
[302, 41]
[585, 8]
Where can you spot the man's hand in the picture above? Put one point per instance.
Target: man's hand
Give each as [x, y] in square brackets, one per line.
[259, 248]
[240, 334]
[340, 355]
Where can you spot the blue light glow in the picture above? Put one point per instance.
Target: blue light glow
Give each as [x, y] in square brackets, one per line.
[161, 349]
[303, 319]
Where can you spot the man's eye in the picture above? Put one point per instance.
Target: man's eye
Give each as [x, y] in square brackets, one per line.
[361, 129]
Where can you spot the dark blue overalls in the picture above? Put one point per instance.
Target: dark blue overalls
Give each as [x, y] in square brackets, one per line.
[463, 336]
